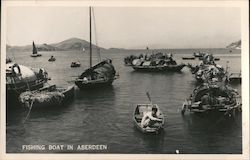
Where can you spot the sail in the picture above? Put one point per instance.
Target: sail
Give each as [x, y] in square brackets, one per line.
[34, 48]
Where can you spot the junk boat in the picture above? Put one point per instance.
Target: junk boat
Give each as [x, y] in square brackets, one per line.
[157, 64]
[49, 96]
[99, 75]
[209, 97]
[52, 59]
[34, 51]
[75, 64]
[20, 78]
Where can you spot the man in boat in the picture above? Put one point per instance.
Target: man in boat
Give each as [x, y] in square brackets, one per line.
[150, 118]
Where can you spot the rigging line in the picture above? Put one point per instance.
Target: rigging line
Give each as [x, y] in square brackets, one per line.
[98, 49]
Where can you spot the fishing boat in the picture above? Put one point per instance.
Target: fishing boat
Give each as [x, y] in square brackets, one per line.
[52, 59]
[157, 65]
[100, 75]
[142, 109]
[75, 64]
[20, 78]
[212, 97]
[198, 54]
[34, 51]
[217, 59]
[49, 96]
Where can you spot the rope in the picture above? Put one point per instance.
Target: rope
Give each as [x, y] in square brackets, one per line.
[30, 107]
[98, 49]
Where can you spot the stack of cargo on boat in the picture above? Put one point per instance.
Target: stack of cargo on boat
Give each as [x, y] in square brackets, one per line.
[214, 93]
[208, 69]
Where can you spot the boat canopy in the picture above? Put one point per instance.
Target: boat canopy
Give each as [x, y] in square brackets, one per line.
[25, 73]
[104, 68]
[213, 89]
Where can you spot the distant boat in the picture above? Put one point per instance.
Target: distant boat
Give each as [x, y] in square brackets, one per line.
[99, 75]
[216, 59]
[52, 59]
[75, 64]
[8, 60]
[34, 51]
[166, 64]
[198, 54]
[188, 58]
[234, 78]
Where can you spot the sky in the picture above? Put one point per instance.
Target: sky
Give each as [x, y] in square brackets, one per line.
[126, 27]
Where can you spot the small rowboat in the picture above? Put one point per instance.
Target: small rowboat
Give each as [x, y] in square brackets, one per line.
[140, 111]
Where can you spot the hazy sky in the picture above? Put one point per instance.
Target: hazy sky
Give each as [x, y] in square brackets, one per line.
[126, 27]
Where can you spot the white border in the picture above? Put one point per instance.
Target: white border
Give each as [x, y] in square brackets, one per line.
[243, 4]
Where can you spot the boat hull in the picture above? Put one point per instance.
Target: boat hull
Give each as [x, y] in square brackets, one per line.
[172, 68]
[88, 85]
[68, 94]
[35, 55]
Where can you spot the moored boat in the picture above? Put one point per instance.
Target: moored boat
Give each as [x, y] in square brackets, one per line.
[75, 64]
[140, 111]
[212, 97]
[188, 58]
[20, 78]
[49, 96]
[234, 78]
[8, 60]
[100, 75]
[157, 65]
[34, 51]
[52, 59]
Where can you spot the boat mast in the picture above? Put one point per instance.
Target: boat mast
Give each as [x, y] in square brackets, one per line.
[90, 38]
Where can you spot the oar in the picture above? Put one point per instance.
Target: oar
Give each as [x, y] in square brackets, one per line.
[149, 98]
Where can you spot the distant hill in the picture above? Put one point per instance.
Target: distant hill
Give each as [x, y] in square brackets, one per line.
[66, 45]
[235, 45]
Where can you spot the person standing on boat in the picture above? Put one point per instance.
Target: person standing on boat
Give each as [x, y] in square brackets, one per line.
[150, 118]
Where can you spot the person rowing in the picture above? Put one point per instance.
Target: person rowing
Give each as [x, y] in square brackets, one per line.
[150, 118]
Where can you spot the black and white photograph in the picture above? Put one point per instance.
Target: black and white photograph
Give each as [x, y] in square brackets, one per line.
[149, 79]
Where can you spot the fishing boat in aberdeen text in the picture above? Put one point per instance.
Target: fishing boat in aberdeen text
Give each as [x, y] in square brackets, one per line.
[99, 75]
[34, 51]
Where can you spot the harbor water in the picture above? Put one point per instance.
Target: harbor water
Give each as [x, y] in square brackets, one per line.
[104, 116]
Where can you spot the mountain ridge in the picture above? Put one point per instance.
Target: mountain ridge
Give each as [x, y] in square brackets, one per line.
[70, 44]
